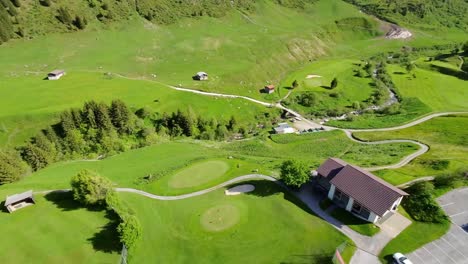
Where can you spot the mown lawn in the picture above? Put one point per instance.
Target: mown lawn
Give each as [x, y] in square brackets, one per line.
[57, 230]
[356, 224]
[237, 231]
[448, 143]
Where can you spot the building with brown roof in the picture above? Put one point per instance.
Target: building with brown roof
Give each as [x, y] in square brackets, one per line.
[359, 191]
[269, 89]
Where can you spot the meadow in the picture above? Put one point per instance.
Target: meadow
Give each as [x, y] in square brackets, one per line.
[350, 88]
[232, 229]
[448, 143]
[58, 230]
[43, 100]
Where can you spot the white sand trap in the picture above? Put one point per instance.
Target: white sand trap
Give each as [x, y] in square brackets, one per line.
[236, 190]
[310, 76]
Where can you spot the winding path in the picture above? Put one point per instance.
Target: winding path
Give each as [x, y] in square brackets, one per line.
[423, 148]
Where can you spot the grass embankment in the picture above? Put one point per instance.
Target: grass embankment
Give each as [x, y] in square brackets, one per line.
[356, 224]
[232, 229]
[58, 230]
[448, 143]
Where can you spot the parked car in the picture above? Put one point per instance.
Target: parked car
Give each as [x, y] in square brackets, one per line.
[401, 259]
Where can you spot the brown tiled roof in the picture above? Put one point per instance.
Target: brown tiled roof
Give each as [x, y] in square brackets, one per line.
[331, 167]
[367, 189]
[270, 87]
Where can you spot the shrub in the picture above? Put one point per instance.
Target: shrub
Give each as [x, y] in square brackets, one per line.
[89, 188]
[129, 230]
[294, 173]
[421, 204]
[306, 99]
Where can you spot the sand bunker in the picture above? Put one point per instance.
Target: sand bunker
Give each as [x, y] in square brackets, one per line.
[245, 188]
[310, 76]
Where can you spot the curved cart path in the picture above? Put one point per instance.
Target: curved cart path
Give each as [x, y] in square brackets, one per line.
[349, 132]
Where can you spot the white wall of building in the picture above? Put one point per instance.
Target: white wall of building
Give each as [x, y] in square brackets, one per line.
[331, 192]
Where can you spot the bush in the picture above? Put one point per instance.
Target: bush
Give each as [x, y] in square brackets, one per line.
[294, 173]
[306, 99]
[129, 230]
[421, 205]
[89, 188]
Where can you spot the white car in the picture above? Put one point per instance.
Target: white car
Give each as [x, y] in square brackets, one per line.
[401, 259]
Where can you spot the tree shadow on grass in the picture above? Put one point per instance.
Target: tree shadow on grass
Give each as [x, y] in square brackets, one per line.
[388, 259]
[447, 71]
[65, 202]
[107, 239]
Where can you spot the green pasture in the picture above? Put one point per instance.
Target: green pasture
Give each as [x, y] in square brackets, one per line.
[350, 88]
[43, 100]
[232, 229]
[447, 139]
[58, 230]
[441, 92]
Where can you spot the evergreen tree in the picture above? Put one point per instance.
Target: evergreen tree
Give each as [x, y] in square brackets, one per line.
[232, 124]
[103, 120]
[120, 116]
[334, 83]
[12, 168]
[221, 133]
[35, 157]
[66, 123]
[295, 84]
[88, 114]
[6, 27]
[79, 22]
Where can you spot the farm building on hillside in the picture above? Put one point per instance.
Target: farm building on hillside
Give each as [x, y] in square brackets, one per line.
[55, 75]
[269, 89]
[358, 191]
[18, 201]
[201, 76]
[284, 128]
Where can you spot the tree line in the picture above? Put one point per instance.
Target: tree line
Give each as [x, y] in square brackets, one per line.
[98, 129]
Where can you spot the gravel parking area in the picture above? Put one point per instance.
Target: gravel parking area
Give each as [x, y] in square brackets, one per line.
[452, 247]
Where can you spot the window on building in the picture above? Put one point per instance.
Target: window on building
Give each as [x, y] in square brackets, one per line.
[356, 207]
[338, 194]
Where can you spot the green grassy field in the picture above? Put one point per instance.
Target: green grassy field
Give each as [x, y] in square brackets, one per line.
[232, 229]
[447, 139]
[42, 100]
[441, 92]
[199, 173]
[58, 230]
